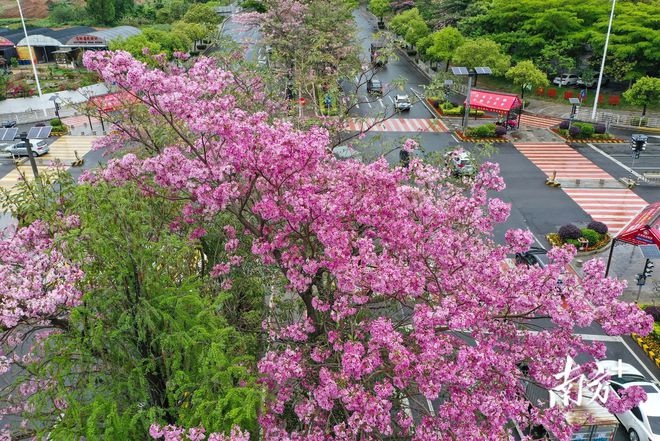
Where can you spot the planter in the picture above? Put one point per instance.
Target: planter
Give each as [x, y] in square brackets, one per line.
[493, 139]
[611, 140]
[555, 241]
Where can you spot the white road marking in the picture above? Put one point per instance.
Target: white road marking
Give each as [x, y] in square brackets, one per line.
[617, 162]
[648, 371]
[380, 100]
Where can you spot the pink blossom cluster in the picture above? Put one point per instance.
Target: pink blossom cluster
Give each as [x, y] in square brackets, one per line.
[173, 433]
[403, 294]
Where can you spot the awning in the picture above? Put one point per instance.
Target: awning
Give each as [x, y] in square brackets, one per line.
[643, 229]
[493, 101]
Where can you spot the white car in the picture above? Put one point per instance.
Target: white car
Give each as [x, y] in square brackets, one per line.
[592, 82]
[566, 80]
[642, 422]
[460, 162]
[20, 149]
[402, 102]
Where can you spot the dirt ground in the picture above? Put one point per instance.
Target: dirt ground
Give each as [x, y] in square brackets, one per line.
[31, 8]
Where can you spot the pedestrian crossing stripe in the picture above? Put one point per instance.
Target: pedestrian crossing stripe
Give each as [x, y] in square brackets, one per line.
[613, 207]
[560, 158]
[63, 150]
[395, 125]
[541, 122]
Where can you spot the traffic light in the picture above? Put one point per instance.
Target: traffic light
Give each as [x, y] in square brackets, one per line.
[640, 279]
[638, 142]
[648, 268]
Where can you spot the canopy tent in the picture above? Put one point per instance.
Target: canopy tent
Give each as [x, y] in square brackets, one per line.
[494, 101]
[643, 229]
[113, 101]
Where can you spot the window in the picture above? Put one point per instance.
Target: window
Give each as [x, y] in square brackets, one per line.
[638, 413]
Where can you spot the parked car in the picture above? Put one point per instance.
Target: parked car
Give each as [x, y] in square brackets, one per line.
[642, 422]
[8, 123]
[566, 80]
[460, 162]
[533, 256]
[20, 149]
[402, 102]
[592, 82]
[374, 86]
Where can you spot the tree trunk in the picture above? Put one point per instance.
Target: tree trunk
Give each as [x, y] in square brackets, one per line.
[447, 66]
[644, 110]
[522, 97]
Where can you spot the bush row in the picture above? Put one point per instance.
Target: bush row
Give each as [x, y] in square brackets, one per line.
[594, 233]
[582, 130]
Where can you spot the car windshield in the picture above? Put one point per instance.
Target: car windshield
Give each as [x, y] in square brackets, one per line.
[654, 422]
[41, 143]
[375, 83]
[628, 378]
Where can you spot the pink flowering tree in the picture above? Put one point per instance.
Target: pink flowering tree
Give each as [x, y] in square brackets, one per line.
[397, 316]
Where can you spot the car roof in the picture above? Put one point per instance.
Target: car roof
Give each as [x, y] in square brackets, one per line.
[402, 97]
[537, 250]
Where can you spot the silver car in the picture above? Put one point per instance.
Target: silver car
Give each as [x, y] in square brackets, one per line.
[461, 163]
[20, 149]
[402, 102]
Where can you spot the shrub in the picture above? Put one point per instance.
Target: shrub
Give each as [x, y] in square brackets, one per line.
[564, 124]
[576, 243]
[598, 227]
[569, 231]
[574, 132]
[586, 129]
[500, 130]
[56, 122]
[592, 237]
[599, 128]
[653, 311]
[453, 110]
[486, 130]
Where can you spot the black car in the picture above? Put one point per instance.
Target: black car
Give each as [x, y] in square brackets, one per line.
[8, 123]
[533, 256]
[374, 86]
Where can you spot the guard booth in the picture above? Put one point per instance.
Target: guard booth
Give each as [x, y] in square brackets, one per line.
[595, 422]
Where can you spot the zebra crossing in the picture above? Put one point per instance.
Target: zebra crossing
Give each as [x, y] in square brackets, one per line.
[613, 207]
[396, 125]
[63, 151]
[541, 122]
[559, 157]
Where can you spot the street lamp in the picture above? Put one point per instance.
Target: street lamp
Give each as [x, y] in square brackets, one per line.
[27, 39]
[575, 102]
[33, 163]
[56, 100]
[602, 63]
[469, 72]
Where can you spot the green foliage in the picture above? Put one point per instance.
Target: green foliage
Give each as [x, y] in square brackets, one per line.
[155, 340]
[379, 7]
[155, 40]
[443, 44]
[645, 91]
[410, 25]
[483, 131]
[526, 75]
[482, 52]
[576, 243]
[592, 236]
[192, 31]
[255, 5]
[201, 13]
[107, 12]
[67, 14]
[586, 129]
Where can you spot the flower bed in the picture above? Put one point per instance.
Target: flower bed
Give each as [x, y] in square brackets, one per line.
[592, 238]
[467, 138]
[584, 132]
[651, 343]
[448, 109]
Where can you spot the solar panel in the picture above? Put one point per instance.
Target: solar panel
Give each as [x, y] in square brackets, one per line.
[39, 132]
[483, 70]
[8, 134]
[650, 251]
[460, 70]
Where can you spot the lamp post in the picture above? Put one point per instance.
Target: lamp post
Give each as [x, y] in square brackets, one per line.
[602, 63]
[56, 100]
[33, 163]
[469, 72]
[575, 102]
[27, 39]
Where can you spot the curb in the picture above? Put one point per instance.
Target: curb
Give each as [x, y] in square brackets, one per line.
[459, 134]
[655, 358]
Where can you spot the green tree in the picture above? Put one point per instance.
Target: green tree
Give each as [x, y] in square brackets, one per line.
[527, 76]
[155, 40]
[443, 44]
[155, 339]
[102, 11]
[645, 91]
[201, 13]
[482, 52]
[379, 8]
[553, 59]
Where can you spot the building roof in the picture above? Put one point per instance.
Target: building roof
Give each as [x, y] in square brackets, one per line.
[51, 37]
[493, 101]
[103, 37]
[10, 37]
